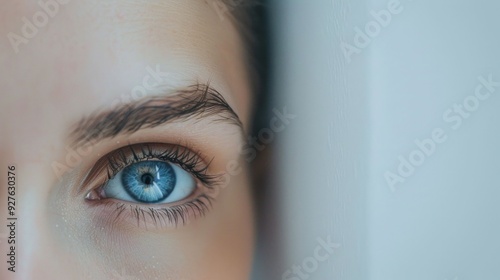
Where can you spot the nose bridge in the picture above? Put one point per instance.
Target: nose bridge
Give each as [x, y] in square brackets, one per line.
[31, 231]
[34, 255]
[40, 248]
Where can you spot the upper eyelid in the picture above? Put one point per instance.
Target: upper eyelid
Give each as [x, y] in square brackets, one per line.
[199, 101]
[101, 168]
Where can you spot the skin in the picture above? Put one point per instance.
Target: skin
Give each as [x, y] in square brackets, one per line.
[88, 56]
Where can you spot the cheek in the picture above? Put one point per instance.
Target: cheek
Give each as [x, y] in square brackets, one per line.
[231, 245]
[217, 246]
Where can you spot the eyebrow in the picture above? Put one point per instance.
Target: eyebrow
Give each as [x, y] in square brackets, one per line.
[198, 101]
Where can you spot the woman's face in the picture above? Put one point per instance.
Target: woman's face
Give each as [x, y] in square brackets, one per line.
[124, 121]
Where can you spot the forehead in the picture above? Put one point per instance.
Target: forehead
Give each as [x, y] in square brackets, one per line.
[190, 37]
[69, 59]
[183, 21]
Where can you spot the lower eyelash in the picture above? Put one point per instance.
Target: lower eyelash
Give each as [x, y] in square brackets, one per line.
[172, 216]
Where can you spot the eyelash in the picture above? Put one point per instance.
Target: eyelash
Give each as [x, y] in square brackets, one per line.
[165, 215]
[189, 161]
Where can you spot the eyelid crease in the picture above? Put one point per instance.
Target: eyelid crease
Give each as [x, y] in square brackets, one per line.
[196, 101]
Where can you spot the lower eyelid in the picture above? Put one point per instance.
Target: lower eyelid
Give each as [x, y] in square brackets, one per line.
[118, 213]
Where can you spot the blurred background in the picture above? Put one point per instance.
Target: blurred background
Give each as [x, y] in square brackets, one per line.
[388, 169]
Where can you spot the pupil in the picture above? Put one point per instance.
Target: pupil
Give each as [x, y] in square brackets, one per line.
[147, 179]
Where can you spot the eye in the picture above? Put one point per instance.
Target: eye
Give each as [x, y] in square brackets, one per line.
[151, 181]
[152, 184]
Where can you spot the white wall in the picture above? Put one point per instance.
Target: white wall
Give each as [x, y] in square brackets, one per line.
[443, 222]
[353, 121]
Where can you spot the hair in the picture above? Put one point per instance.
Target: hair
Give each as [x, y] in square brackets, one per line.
[250, 18]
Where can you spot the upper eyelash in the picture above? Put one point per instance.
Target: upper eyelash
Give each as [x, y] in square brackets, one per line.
[186, 159]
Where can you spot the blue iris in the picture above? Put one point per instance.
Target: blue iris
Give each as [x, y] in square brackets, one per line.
[149, 181]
